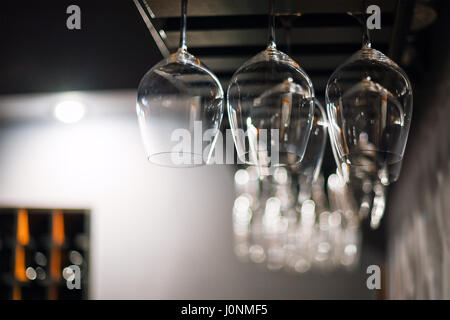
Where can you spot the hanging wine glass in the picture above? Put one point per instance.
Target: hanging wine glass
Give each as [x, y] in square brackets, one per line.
[179, 108]
[270, 102]
[369, 104]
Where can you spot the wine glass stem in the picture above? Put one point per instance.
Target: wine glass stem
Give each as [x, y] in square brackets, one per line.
[366, 35]
[362, 19]
[287, 24]
[183, 46]
[271, 43]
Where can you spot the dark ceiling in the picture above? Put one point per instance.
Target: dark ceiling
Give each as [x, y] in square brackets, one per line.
[114, 47]
[224, 34]
[112, 50]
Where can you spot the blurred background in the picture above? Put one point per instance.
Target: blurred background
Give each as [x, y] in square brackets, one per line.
[76, 188]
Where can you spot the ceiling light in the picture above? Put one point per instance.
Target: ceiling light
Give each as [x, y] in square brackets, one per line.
[69, 111]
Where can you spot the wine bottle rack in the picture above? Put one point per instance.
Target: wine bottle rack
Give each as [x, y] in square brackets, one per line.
[37, 248]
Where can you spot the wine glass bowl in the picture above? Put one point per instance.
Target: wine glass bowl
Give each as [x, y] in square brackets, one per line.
[270, 105]
[369, 105]
[180, 108]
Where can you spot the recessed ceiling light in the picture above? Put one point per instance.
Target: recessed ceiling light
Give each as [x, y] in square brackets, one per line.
[69, 111]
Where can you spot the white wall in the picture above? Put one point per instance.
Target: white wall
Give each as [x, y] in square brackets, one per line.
[156, 232]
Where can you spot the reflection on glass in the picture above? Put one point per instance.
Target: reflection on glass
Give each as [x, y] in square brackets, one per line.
[291, 232]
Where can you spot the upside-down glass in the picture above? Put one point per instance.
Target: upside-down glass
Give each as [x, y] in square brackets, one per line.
[369, 104]
[270, 101]
[180, 108]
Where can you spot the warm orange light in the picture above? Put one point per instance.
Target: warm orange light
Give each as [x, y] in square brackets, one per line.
[55, 264]
[17, 293]
[53, 293]
[19, 269]
[58, 227]
[58, 240]
[23, 231]
[285, 100]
